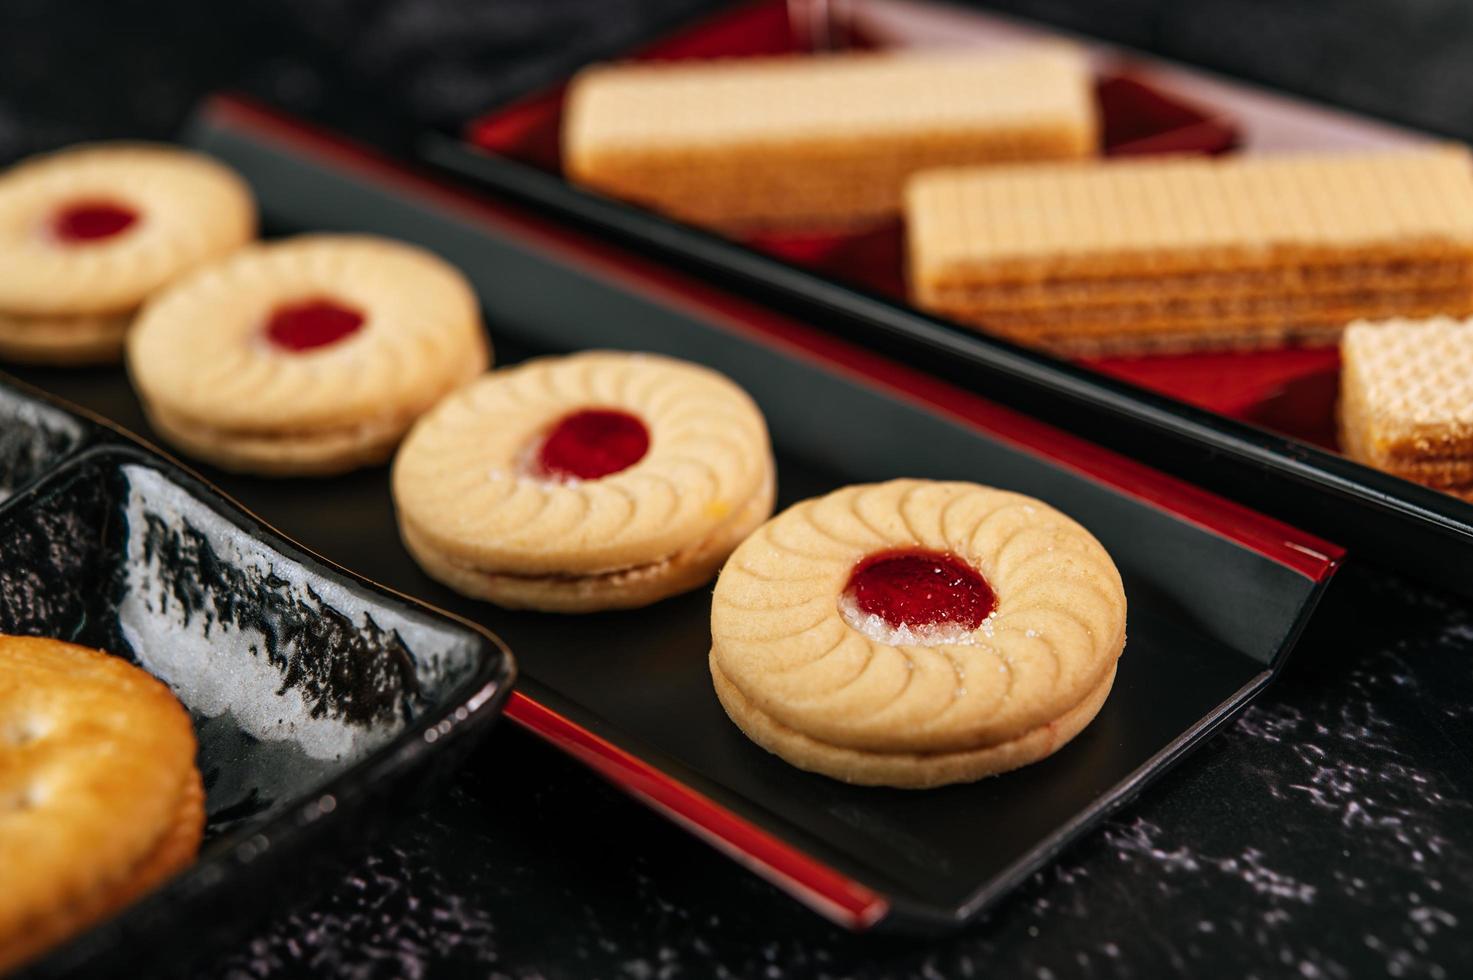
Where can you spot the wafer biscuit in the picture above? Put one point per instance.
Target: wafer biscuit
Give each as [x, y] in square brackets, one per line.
[88, 233]
[601, 480]
[817, 140]
[1142, 255]
[915, 633]
[99, 797]
[1406, 400]
[308, 356]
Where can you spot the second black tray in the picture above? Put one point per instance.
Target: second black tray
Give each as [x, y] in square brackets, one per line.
[1404, 526]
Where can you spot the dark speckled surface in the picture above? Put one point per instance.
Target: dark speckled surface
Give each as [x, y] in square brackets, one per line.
[1327, 833]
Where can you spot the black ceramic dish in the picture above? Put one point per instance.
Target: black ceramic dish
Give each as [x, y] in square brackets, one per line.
[324, 705]
[1218, 594]
[36, 434]
[1391, 521]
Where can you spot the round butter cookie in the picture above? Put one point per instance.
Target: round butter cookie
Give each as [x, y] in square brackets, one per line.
[916, 633]
[88, 233]
[100, 800]
[309, 356]
[600, 480]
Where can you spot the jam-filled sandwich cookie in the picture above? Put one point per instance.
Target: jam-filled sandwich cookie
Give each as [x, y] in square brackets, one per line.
[916, 633]
[597, 481]
[87, 234]
[305, 357]
[100, 800]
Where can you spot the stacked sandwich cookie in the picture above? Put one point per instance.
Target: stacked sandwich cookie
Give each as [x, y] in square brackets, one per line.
[780, 142]
[600, 480]
[1147, 256]
[916, 633]
[88, 233]
[1406, 400]
[309, 356]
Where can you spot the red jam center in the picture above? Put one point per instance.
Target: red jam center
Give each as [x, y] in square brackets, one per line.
[592, 443]
[917, 588]
[312, 323]
[91, 221]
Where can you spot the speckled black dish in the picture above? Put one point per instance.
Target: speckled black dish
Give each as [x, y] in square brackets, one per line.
[324, 705]
[36, 434]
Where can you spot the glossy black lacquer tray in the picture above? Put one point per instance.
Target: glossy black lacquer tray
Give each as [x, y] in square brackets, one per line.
[324, 705]
[1217, 593]
[1416, 530]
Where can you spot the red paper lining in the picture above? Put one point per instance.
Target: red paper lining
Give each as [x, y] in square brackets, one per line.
[1284, 389]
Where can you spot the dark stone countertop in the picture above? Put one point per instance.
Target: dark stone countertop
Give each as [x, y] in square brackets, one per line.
[1327, 833]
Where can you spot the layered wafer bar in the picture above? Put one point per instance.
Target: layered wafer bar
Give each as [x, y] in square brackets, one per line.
[817, 141]
[1406, 400]
[1177, 254]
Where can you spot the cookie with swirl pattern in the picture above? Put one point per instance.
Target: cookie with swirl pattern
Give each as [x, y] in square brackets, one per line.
[309, 356]
[916, 633]
[599, 480]
[100, 800]
[88, 233]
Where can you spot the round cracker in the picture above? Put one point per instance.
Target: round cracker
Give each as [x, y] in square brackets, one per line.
[98, 790]
[174, 851]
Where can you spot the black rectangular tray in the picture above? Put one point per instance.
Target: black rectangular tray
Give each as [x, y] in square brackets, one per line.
[1218, 593]
[324, 705]
[1393, 522]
